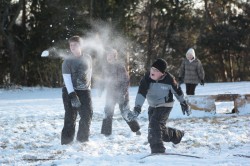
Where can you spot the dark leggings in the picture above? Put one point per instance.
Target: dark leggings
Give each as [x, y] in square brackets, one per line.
[111, 101]
[85, 112]
[190, 89]
[157, 129]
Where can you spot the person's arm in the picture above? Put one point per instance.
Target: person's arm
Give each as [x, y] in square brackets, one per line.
[124, 80]
[200, 72]
[140, 98]
[75, 102]
[142, 92]
[66, 73]
[177, 91]
[68, 83]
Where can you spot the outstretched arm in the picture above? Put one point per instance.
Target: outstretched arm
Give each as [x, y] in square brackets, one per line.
[176, 90]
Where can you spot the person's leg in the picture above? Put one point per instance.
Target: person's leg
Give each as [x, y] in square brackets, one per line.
[188, 92]
[86, 113]
[107, 121]
[68, 131]
[172, 135]
[192, 89]
[169, 134]
[109, 113]
[157, 121]
[124, 108]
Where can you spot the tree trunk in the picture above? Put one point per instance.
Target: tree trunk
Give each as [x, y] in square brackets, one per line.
[7, 27]
[170, 29]
[149, 53]
[231, 67]
[222, 69]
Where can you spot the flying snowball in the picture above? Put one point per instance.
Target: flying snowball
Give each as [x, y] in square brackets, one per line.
[45, 53]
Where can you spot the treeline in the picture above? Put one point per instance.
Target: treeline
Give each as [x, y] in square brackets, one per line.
[141, 30]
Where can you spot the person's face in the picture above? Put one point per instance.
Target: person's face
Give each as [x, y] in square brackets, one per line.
[190, 56]
[155, 74]
[111, 57]
[75, 48]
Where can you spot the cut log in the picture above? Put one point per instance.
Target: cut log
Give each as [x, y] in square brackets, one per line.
[207, 102]
[202, 102]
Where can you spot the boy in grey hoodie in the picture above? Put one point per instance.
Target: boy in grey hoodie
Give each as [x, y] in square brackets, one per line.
[115, 80]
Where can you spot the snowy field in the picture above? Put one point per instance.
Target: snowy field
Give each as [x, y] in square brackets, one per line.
[31, 120]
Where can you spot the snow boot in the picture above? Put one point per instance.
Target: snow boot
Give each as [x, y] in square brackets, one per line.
[178, 134]
[67, 136]
[134, 125]
[157, 148]
[138, 132]
[106, 126]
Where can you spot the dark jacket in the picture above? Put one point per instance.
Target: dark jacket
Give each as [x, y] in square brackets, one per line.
[116, 79]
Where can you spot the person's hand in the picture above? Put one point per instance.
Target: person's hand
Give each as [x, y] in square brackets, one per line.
[137, 110]
[75, 102]
[132, 115]
[202, 82]
[185, 108]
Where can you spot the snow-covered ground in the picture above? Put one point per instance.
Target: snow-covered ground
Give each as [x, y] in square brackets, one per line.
[31, 120]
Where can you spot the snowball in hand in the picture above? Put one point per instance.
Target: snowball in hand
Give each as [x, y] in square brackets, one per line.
[45, 53]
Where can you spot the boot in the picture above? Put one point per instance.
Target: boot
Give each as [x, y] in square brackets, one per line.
[134, 125]
[178, 134]
[157, 148]
[67, 136]
[106, 126]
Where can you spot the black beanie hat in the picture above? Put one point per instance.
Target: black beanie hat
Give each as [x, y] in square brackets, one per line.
[160, 64]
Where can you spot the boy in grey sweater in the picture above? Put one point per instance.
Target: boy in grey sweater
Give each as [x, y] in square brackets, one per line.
[77, 72]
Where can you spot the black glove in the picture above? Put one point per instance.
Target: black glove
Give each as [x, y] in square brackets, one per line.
[137, 110]
[202, 82]
[180, 80]
[75, 102]
[185, 108]
[132, 115]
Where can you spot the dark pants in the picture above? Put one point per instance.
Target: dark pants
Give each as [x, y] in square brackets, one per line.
[111, 101]
[190, 89]
[157, 130]
[85, 112]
